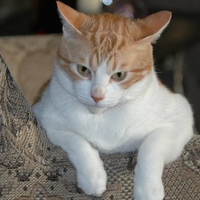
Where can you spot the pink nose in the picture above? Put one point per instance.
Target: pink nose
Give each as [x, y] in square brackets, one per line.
[97, 99]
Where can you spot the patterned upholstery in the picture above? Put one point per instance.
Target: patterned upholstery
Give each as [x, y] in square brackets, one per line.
[31, 168]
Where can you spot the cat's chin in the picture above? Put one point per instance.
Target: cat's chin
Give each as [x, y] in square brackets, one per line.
[96, 109]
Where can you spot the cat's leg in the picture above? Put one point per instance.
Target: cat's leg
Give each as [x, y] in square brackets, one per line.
[159, 148]
[91, 175]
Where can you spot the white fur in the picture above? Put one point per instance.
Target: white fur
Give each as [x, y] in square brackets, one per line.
[146, 117]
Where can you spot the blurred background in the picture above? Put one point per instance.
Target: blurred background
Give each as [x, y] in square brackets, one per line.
[177, 53]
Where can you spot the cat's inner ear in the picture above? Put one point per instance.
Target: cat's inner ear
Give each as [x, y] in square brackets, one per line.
[72, 20]
[153, 25]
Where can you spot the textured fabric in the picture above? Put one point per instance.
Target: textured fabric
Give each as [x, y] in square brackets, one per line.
[31, 168]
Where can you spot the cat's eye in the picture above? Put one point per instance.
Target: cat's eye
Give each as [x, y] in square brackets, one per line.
[84, 71]
[119, 76]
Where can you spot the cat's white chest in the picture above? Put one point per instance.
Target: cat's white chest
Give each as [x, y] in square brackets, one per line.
[111, 130]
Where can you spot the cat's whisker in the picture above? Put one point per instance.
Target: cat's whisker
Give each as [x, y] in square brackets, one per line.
[118, 108]
[160, 72]
[67, 104]
[138, 106]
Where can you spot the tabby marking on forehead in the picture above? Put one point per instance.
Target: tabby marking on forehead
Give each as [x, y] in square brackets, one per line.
[107, 39]
[108, 33]
[103, 48]
[107, 23]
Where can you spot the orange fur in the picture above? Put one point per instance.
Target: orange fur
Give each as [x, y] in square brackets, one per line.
[64, 63]
[111, 39]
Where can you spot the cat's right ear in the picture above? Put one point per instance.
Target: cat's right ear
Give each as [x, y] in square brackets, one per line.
[153, 25]
[72, 20]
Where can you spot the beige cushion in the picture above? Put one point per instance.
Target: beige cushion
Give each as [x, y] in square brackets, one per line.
[30, 60]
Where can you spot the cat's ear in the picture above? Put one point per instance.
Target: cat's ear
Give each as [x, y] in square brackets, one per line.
[153, 25]
[72, 20]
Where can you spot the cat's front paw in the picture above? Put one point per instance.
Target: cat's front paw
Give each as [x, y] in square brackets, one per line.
[93, 182]
[151, 190]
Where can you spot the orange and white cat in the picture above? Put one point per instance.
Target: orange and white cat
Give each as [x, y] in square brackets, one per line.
[104, 96]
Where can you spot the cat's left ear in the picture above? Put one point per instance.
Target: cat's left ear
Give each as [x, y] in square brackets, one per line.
[153, 25]
[72, 20]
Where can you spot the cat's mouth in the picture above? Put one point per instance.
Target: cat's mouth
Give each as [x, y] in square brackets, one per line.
[96, 109]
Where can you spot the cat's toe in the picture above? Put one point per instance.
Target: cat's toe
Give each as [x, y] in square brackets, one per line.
[93, 183]
[149, 191]
[96, 189]
[149, 194]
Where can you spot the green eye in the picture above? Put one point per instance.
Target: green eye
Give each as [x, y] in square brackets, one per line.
[84, 71]
[119, 76]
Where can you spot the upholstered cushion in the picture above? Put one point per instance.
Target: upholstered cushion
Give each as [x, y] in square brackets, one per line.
[32, 168]
[30, 60]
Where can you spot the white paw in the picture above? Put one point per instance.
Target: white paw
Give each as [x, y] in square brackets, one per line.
[149, 190]
[93, 182]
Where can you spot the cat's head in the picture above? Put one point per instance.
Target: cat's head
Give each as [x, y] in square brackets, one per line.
[104, 56]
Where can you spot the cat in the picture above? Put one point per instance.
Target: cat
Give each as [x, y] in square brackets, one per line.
[104, 96]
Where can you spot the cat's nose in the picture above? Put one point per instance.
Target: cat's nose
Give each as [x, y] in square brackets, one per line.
[97, 99]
